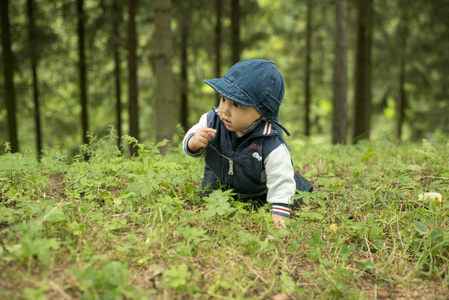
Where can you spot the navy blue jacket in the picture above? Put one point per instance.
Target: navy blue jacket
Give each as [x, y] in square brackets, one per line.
[248, 168]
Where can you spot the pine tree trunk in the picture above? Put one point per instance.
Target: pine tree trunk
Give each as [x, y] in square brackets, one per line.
[118, 89]
[340, 75]
[307, 69]
[82, 70]
[8, 73]
[235, 30]
[164, 75]
[402, 100]
[33, 58]
[362, 73]
[132, 68]
[184, 30]
[218, 11]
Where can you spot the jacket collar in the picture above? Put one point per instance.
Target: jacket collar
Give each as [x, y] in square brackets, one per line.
[268, 127]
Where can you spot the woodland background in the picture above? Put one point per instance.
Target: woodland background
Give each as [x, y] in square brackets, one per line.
[72, 69]
[112, 227]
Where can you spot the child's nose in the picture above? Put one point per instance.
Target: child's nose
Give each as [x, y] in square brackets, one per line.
[225, 108]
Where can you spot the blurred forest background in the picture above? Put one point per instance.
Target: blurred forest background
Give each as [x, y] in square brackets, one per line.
[72, 69]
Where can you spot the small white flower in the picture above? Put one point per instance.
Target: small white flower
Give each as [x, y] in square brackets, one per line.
[436, 197]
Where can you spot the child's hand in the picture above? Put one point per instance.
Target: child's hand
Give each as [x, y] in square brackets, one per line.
[279, 220]
[200, 139]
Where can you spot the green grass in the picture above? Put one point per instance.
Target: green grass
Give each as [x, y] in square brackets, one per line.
[115, 228]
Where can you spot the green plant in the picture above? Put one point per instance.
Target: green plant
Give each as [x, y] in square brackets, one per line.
[108, 282]
[177, 278]
[115, 227]
[218, 204]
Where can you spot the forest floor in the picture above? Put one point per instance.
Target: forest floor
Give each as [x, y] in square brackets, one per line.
[115, 228]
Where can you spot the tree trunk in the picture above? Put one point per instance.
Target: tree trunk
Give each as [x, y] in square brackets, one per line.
[307, 69]
[218, 10]
[340, 75]
[32, 41]
[118, 89]
[184, 30]
[82, 70]
[164, 75]
[235, 30]
[362, 73]
[132, 68]
[8, 73]
[402, 100]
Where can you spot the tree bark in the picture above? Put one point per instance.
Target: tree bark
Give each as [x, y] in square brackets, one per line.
[340, 75]
[307, 69]
[132, 69]
[33, 57]
[8, 73]
[82, 70]
[184, 31]
[402, 99]
[164, 75]
[218, 11]
[118, 89]
[362, 73]
[235, 30]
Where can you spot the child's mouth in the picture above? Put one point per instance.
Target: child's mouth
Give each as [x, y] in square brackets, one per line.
[226, 122]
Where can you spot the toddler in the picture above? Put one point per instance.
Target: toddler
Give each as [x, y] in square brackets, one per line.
[242, 140]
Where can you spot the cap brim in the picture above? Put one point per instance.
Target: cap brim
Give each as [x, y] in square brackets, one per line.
[229, 91]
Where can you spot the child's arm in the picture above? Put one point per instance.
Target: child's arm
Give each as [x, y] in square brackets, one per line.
[280, 182]
[198, 137]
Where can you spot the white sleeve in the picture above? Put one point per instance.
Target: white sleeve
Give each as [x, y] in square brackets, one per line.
[202, 123]
[280, 176]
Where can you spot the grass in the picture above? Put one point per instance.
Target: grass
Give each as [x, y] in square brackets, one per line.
[115, 228]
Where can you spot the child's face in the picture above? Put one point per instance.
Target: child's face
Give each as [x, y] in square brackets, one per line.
[237, 117]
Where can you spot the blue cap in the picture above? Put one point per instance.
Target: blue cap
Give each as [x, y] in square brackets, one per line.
[252, 82]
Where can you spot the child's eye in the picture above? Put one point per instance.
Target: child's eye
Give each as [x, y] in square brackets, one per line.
[236, 104]
[223, 99]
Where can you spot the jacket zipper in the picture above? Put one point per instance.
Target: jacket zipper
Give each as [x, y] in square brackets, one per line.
[231, 162]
